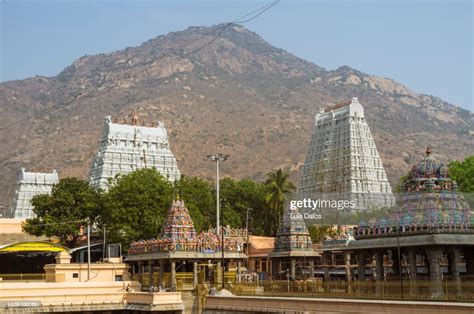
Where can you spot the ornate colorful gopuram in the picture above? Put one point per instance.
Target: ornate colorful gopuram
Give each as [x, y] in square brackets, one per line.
[293, 253]
[179, 243]
[429, 202]
[432, 227]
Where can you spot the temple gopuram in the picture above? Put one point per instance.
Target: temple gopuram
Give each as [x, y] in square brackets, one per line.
[293, 254]
[130, 145]
[429, 235]
[181, 258]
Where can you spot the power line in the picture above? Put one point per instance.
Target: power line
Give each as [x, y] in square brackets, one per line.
[259, 12]
[58, 223]
[239, 20]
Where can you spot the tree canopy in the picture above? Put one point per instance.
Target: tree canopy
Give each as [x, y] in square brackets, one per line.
[278, 185]
[136, 205]
[65, 212]
[198, 196]
[463, 173]
[319, 233]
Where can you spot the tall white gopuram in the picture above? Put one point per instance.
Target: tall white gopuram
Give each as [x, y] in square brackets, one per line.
[129, 146]
[31, 184]
[342, 162]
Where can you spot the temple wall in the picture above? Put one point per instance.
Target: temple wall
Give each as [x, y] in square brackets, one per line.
[78, 272]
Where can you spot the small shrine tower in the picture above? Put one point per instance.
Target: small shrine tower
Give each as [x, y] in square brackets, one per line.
[178, 226]
[293, 254]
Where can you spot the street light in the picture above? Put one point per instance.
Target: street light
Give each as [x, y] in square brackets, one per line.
[217, 157]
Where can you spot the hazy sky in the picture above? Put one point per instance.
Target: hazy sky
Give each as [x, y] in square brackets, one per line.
[426, 45]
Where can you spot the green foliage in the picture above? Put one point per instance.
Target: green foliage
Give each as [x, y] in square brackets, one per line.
[319, 232]
[463, 174]
[198, 196]
[64, 213]
[401, 183]
[239, 195]
[136, 206]
[277, 186]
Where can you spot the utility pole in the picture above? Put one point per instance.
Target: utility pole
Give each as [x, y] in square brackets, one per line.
[247, 230]
[399, 257]
[288, 279]
[222, 249]
[88, 250]
[103, 248]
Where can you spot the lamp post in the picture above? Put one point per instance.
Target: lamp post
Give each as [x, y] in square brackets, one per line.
[219, 158]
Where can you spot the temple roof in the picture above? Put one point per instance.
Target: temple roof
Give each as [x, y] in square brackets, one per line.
[429, 203]
[292, 234]
[124, 128]
[178, 224]
[429, 167]
[261, 242]
[38, 177]
[429, 175]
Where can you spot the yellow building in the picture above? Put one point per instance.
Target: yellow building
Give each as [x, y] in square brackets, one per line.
[70, 287]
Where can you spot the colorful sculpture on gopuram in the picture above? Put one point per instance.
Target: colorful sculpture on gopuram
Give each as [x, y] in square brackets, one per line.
[178, 234]
[293, 234]
[429, 201]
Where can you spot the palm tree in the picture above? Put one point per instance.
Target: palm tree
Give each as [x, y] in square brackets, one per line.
[278, 184]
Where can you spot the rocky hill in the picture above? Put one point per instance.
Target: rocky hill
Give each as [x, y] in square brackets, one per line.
[239, 96]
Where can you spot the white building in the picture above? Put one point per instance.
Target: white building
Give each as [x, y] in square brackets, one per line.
[342, 162]
[31, 184]
[127, 147]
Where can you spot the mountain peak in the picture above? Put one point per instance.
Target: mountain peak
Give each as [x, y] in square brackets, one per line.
[236, 93]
